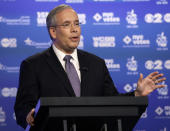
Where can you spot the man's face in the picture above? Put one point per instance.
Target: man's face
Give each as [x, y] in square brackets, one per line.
[67, 33]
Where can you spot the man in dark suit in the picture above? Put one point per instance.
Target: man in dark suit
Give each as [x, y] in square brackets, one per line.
[46, 74]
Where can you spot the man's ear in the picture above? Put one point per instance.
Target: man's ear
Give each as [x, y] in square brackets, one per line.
[52, 31]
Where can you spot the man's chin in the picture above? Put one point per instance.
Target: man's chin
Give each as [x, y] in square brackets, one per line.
[74, 45]
[71, 49]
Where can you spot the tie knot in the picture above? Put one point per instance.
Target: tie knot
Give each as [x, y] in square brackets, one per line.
[67, 58]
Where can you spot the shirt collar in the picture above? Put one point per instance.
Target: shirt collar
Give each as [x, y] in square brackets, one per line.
[61, 54]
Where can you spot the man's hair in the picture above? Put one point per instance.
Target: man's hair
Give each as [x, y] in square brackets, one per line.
[51, 18]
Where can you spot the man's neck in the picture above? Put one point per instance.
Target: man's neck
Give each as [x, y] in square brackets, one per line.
[67, 52]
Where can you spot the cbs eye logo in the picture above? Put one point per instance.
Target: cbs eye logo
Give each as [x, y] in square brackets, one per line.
[9, 42]
[157, 64]
[157, 18]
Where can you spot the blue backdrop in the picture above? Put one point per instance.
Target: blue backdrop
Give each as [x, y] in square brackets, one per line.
[131, 35]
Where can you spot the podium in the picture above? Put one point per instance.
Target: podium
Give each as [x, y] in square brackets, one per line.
[117, 113]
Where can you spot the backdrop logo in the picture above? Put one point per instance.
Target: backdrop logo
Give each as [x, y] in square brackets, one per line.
[9, 92]
[74, 1]
[2, 67]
[8, 0]
[144, 115]
[81, 43]
[41, 18]
[157, 64]
[129, 88]
[161, 2]
[106, 18]
[2, 115]
[14, 116]
[163, 92]
[9, 42]
[104, 41]
[46, 0]
[9, 69]
[103, 0]
[29, 42]
[136, 0]
[167, 17]
[164, 129]
[23, 20]
[82, 18]
[131, 19]
[97, 17]
[111, 65]
[162, 112]
[159, 110]
[154, 65]
[167, 64]
[157, 18]
[161, 42]
[132, 66]
[136, 41]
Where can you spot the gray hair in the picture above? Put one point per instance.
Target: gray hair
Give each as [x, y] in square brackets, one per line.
[51, 18]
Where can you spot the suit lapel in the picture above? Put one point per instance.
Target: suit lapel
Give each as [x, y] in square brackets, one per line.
[56, 66]
[84, 71]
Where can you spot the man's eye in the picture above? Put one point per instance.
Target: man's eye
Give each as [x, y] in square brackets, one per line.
[77, 23]
[66, 24]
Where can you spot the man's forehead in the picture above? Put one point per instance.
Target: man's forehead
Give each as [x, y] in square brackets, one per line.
[67, 15]
[67, 11]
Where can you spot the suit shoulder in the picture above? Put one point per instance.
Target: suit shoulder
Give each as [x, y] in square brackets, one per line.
[91, 56]
[37, 56]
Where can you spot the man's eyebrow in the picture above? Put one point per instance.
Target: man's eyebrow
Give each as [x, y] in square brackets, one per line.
[76, 21]
[66, 21]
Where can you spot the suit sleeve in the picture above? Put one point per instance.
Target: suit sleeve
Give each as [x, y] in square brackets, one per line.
[109, 87]
[27, 94]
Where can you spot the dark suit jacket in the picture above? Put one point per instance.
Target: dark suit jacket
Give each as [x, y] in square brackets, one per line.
[42, 75]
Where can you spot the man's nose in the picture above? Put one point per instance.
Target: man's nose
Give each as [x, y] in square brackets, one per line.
[73, 28]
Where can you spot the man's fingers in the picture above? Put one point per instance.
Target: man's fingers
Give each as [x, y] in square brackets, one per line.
[32, 124]
[30, 120]
[159, 86]
[32, 111]
[157, 76]
[140, 78]
[152, 74]
[160, 80]
[30, 117]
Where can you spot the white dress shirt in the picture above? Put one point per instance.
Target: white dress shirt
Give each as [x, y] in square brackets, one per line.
[60, 55]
